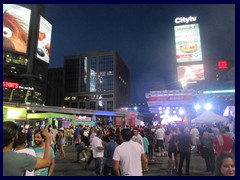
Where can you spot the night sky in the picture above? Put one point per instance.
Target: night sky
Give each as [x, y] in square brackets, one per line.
[142, 34]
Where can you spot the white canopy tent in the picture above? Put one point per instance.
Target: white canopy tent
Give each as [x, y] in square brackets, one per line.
[208, 117]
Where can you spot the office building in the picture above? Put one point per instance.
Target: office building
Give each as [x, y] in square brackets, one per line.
[96, 80]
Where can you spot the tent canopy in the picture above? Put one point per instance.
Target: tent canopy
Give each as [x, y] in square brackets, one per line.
[208, 117]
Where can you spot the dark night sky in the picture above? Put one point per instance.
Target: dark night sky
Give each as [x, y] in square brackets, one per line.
[142, 34]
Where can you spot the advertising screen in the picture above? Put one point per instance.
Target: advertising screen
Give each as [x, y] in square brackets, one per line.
[190, 72]
[188, 45]
[16, 20]
[44, 40]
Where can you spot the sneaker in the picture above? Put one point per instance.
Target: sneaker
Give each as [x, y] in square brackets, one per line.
[83, 159]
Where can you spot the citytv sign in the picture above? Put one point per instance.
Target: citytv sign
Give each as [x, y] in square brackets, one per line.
[180, 20]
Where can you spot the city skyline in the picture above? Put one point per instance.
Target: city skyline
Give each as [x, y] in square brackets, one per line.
[142, 34]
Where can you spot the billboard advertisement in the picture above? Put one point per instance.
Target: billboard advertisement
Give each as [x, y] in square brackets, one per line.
[44, 40]
[191, 72]
[188, 45]
[16, 21]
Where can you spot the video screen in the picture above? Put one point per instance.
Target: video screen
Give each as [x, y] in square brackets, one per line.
[44, 40]
[188, 45]
[16, 21]
[190, 72]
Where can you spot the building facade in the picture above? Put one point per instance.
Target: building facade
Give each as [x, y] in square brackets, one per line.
[24, 73]
[96, 80]
[54, 96]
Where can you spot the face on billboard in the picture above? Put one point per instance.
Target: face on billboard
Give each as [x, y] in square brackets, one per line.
[188, 45]
[191, 72]
[16, 20]
[44, 40]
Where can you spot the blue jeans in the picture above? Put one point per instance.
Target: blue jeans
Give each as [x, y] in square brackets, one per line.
[98, 165]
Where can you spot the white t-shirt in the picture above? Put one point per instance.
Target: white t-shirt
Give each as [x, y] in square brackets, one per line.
[129, 155]
[160, 134]
[96, 143]
[194, 132]
[30, 152]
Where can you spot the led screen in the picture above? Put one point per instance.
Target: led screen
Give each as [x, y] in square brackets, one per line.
[188, 45]
[44, 40]
[16, 20]
[93, 75]
[190, 72]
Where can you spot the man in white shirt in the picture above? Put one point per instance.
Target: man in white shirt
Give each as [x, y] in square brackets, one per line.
[129, 155]
[137, 137]
[195, 138]
[160, 133]
[98, 149]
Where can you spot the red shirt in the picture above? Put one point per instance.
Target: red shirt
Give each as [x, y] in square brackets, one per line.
[227, 144]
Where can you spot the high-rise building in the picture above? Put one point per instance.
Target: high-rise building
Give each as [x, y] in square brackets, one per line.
[54, 96]
[26, 48]
[96, 80]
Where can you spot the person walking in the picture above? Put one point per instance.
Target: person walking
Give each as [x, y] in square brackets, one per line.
[108, 155]
[61, 143]
[184, 145]
[129, 157]
[207, 151]
[98, 150]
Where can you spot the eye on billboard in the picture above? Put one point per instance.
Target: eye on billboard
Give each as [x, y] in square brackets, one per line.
[44, 40]
[189, 73]
[188, 45]
[16, 21]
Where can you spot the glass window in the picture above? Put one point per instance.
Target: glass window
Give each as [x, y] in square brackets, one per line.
[82, 105]
[110, 106]
[93, 105]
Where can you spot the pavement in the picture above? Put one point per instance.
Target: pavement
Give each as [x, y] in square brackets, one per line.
[67, 167]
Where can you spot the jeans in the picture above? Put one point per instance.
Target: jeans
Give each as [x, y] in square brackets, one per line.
[98, 165]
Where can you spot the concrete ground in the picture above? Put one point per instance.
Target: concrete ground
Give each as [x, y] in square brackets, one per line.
[67, 167]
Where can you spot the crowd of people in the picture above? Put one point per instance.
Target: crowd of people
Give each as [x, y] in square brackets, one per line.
[126, 150]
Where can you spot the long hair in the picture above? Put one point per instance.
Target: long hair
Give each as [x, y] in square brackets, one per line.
[10, 130]
[219, 162]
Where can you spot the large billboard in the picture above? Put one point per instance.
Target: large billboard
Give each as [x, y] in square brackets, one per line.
[188, 45]
[189, 73]
[16, 21]
[44, 40]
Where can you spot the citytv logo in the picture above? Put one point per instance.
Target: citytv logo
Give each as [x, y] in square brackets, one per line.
[185, 20]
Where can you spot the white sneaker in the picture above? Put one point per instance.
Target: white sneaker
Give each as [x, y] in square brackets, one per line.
[83, 159]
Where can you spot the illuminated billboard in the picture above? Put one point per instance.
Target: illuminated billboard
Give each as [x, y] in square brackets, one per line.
[44, 40]
[16, 20]
[190, 72]
[93, 76]
[188, 45]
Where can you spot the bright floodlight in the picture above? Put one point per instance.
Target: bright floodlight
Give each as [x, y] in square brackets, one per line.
[160, 108]
[208, 106]
[197, 107]
[166, 111]
[181, 111]
[135, 108]
[126, 108]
